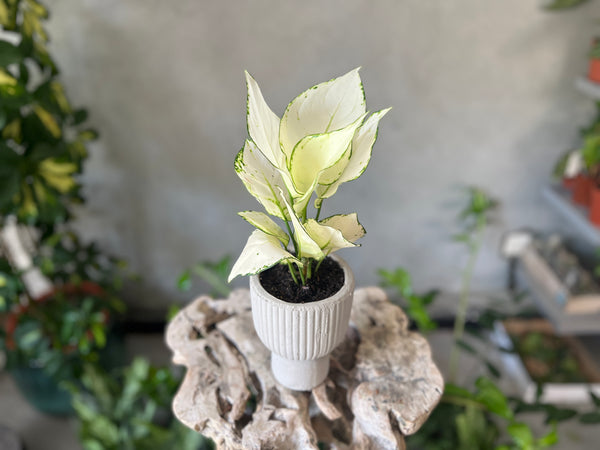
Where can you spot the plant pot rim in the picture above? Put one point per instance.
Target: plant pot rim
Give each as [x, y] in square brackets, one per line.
[340, 295]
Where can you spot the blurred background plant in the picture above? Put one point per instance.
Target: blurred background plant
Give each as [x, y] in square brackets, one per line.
[131, 410]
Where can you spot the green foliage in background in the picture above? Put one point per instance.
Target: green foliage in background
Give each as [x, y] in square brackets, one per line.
[131, 411]
[214, 274]
[42, 137]
[68, 327]
[415, 304]
[473, 219]
[559, 5]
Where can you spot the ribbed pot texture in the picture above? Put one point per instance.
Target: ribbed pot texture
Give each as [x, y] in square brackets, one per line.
[302, 335]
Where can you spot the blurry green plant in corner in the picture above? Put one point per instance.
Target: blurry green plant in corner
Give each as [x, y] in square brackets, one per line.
[214, 274]
[42, 137]
[43, 142]
[416, 305]
[131, 411]
[557, 5]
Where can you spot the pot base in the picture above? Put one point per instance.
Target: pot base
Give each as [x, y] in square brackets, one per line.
[299, 375]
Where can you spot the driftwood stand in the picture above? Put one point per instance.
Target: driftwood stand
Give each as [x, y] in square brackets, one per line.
[382, 384]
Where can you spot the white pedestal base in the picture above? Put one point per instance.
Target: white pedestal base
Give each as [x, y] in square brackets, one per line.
[299, 375]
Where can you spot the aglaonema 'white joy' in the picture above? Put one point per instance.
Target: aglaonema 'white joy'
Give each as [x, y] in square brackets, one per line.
[324, 138]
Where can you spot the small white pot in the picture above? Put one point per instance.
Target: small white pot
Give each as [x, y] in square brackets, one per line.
[302, 335]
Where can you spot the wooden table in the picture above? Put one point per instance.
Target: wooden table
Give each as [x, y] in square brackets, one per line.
[382, 384]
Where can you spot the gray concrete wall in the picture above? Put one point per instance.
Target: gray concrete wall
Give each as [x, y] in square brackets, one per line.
[482, 94]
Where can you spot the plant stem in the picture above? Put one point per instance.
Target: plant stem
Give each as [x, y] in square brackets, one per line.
[463, 304]
[287, 224]
[318, 211]
[292, 272]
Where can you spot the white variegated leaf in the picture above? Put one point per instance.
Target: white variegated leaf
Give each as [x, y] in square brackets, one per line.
[263, 124]
[325, 107]
[307, 248]
[261, 252]
[347, 224]
[266, 225]
[315, 153]
[328, 238]
[261, 179]
[362, 145]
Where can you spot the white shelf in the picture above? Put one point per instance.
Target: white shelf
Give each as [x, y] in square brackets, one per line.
[560, 199]
[588, 87]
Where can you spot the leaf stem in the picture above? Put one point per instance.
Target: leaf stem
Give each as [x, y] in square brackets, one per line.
[292, 272]
[463, 304]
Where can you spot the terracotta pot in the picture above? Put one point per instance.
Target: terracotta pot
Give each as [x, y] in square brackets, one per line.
[569, 183]
[582, 186]
[301, 336]
[594, 70]
[595, 205]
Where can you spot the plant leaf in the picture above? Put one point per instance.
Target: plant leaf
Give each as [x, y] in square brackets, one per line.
[362, 146]
[261, 179]
[317, 152]
[306, 246]
[261, 252]
[327, 106]
[263, 124]
[328, 238]
[265, 224]
[348, 225]
[492, 397]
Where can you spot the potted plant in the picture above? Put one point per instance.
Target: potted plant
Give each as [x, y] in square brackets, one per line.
[48, 339]
[301, 298]
[131, 409]
[594, 62]
[590, 153]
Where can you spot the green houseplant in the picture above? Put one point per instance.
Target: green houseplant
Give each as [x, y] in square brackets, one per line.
[323, 139]
[50, 338]
[131, 410]
[47, 334]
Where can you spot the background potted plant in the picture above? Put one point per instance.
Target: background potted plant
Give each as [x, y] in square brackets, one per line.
[48, 339]
[131, 409]
[301, 300]
[57, 294]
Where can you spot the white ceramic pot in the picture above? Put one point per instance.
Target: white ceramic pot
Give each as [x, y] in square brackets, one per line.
[302, 335]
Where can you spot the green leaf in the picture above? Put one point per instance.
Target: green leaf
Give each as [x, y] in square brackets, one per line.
[79, 116]
[557, 5]
[521, 434]
[492, 397]
[184, 283]
[549, 439]
[9, 54]
[555, 414]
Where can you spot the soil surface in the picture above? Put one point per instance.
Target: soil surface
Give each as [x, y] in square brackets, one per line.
[278, 282]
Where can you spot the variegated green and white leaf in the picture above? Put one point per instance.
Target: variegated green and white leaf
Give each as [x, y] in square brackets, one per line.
[325, 107]
[265, 224]
[362, 145]
[306, 246]
[333, 173]
[261, 252]
[315, 153]
[347, 224]
[328, 238]
[261, 179]
[263, 124]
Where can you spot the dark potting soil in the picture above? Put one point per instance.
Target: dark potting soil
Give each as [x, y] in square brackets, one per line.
[278, 282]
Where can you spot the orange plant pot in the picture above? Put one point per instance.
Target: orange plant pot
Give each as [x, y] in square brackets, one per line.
[582, 187]
[594, 70]
[595, 205]
[569, 183]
